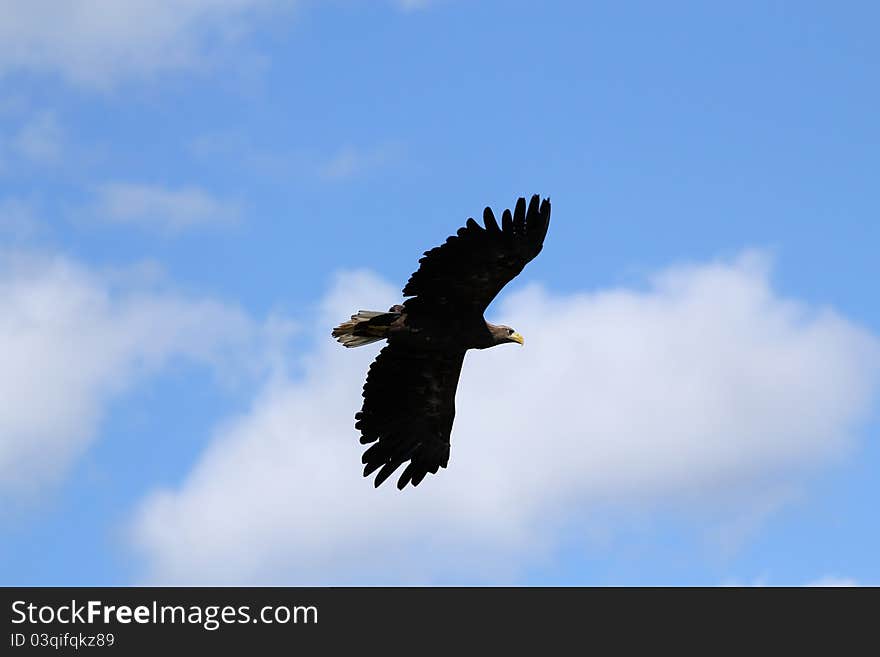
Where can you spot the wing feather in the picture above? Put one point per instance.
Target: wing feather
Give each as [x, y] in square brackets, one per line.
[489, 221]
[408, 410]
[472, 266]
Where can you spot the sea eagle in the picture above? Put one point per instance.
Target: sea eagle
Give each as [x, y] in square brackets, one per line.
[409, 395]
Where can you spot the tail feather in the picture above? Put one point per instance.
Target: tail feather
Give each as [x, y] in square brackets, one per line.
[361, 330]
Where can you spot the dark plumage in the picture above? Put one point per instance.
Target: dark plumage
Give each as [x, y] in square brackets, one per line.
[409, 396]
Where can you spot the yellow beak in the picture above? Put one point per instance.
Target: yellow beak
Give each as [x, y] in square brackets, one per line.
[516, 337]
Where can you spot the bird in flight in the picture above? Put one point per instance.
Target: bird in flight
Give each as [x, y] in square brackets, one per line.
[409, 395]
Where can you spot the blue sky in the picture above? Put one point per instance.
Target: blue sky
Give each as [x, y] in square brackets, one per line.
[191, 197]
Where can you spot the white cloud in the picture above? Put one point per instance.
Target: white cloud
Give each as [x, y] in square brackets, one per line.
[97, 42]
[169, 210]
[40, 139]
[707, 390]
[350, 161]
[343, 164]
[71, 339]
[36, 138]
[94, 42]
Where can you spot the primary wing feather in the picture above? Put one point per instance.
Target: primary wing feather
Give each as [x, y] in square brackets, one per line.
[471, 267]
[409, 406]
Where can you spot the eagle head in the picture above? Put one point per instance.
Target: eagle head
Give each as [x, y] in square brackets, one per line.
[502, 334]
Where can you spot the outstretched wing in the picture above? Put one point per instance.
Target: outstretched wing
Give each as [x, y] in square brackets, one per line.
[409, 405]
[470, 268]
